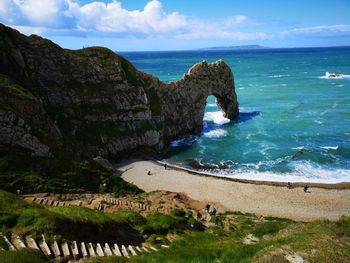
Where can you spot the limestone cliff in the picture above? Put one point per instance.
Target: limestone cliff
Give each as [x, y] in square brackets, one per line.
[94, 102]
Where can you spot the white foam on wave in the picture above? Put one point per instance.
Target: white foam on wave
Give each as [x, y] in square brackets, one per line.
[330, 147]
[216, 117]
[299, 148]
[303, 172]
[328, 75]
[211, 105]
[279, 76]
[215, 133]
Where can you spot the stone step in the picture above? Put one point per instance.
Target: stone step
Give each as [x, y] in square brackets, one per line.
[165, 246]
[153, 248]
[83, 250]
[65, 250]
[56, 249]
[45, 248]
[146, 249]
[32, 243]
[91, 250]
[75, 250]
[131, 249]
[138, 249]
[107, 250]
[9, 244]
[99, 250]
[116, 250]
[125, 252]
[18, 243]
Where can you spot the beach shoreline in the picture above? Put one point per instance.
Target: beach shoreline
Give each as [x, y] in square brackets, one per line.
[323, 201]
[337, 185]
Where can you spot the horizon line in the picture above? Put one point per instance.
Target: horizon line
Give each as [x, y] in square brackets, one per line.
[223, 48]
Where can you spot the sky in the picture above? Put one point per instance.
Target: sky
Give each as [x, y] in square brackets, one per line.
[148, 25]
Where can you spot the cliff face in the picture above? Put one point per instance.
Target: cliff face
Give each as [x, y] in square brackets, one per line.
[95, 102]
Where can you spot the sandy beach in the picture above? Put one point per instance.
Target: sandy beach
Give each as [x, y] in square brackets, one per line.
[261, 198]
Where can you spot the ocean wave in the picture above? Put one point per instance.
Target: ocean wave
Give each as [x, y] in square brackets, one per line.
[215, 133]
[302, 172]
[328, 75]
[211, 105]
[216, 117]
[330, 147]
[188, 141]
[279, 76]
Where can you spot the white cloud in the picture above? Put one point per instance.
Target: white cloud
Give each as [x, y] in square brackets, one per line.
[112, 18]
[234, 21]
[58, 17]
[38, 11]
[320, 30]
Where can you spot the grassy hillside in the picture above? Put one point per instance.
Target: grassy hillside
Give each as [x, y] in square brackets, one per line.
[83, 224]
[59, 175]
[319, 241]
[230, 237]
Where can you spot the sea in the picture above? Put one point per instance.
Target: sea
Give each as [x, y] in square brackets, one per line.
[294, 121]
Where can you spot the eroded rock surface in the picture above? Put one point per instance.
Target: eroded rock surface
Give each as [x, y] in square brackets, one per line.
[95, 102]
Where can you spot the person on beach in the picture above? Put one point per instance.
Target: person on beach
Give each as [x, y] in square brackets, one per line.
[306, 188]
[289, 185]
[207, 207]
[165, 166]
[149, 173]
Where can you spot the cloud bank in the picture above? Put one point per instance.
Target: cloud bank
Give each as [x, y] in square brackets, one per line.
[100, 19]
[67, 17]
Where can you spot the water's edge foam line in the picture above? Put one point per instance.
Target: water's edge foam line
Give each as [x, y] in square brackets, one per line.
[337, 185]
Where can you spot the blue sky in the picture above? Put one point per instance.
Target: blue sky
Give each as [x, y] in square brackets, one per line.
[140, 25]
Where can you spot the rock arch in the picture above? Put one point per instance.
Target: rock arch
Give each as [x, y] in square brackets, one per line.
[184, 101]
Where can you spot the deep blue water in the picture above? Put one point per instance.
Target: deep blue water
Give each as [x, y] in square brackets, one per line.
[294, 122]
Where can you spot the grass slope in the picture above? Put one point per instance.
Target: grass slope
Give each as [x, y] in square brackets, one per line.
[224, 241]
[59, 175]
[319, 241]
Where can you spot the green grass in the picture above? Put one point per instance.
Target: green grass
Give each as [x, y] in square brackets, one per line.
[22, 256]
[59, 175]
[318, 241]
[68, 223]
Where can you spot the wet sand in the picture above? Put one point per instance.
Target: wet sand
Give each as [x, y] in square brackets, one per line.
[323, 201]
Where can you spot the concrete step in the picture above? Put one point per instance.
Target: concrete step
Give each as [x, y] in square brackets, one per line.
[107, 250]
[18, 243]
[116, 250]
[83, 249]
[99, 250]
[32, 243]
[125, 251]
[132, 250]
[75, 250]
[91, 250]
[66, 250]
[56, 249]
[11, 247]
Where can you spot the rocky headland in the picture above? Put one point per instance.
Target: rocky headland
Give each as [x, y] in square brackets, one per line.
[94, 102]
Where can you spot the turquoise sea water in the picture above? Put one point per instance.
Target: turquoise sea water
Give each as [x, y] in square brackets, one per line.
[294, 122]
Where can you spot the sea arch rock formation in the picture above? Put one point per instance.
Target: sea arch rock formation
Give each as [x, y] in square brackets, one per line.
[94, 102]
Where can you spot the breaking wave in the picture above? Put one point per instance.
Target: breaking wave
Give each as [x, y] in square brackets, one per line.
[328, 75]
[215, 133]
[216, 117]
